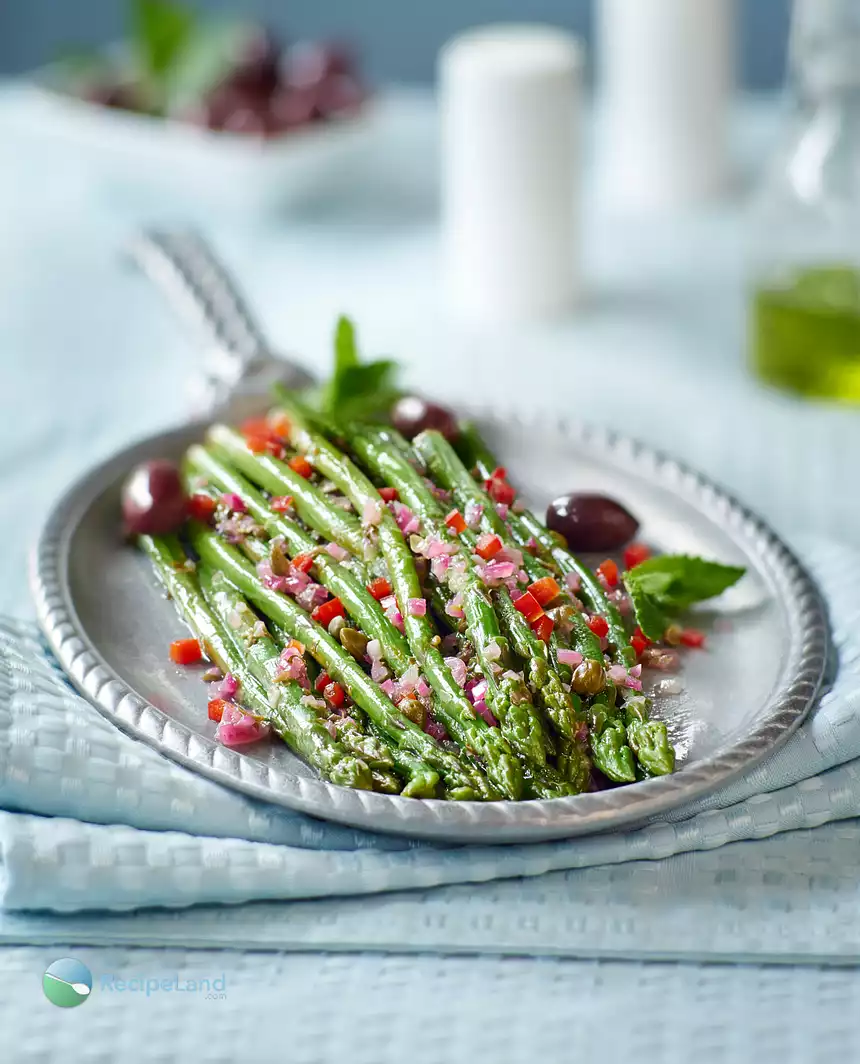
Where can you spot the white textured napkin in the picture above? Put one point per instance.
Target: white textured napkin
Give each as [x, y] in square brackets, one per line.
[120, 827]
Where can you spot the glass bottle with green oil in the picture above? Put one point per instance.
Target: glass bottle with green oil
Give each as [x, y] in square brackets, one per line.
[804, 319]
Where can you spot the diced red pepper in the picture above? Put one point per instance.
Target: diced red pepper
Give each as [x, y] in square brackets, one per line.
[327, 612]
[692, 637]
[609, 571]
[279, 424]
[388, 494]
[281, 503]
[322, 681]
[185, 652]
[529, 607]
[302, 562]
[379, 588]
[455, 522]
[545, 590]
[335, 695]
[635, 554]
[301, 465]
[488, 545]
[257, 444]
[599, 626]
[639, 643]
[201, 508]
[543, 627]
[255, 426]
[216, 707]
[498, 487]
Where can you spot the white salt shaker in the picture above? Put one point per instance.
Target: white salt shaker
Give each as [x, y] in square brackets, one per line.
[665, 79]
[509, 109]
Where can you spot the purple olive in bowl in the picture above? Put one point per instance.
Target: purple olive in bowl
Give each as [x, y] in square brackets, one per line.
[591, 522]
[411, 414]
[153, 500]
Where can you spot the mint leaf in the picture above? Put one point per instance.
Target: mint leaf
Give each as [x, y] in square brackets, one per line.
[679, 580]
[356, 391]
[649, 615]
[661, 586]
[162, 30]
[345, 345]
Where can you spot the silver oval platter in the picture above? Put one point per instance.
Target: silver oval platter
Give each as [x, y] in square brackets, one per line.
[109, 625]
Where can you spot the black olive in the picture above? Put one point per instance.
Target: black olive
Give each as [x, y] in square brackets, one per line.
[591, 522]
[411, 414]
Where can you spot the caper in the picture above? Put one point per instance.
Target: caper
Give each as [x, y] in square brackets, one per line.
[278, 558]
[588, 678]
[336, 625]
[673, 635]
[413, 709]
[353, 641]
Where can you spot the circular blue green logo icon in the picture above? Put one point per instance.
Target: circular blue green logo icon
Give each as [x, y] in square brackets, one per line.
[67, 983]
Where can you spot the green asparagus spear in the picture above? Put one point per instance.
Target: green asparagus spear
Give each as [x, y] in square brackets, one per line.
[508, 694]
[297, 725]
[461, 781]
[312, 505]
[264, 661]
[447, 469]
[648, 739]
[357, 600]
[468, 729]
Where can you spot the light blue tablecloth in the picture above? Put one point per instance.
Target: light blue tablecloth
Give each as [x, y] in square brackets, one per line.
[89, 362]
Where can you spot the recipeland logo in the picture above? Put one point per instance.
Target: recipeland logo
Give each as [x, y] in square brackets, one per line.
[67, 983]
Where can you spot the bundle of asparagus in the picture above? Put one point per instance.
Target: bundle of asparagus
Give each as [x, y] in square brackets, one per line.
[393, 612]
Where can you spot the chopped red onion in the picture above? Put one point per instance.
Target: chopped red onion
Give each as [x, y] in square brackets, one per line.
[473, 513]
[479, 691]
[416, 607]
[510, 554]
[454, 608]
[494, 572]
[458, 670]
[523, 576]
[509, 674]
[409, 679]
[434, 729]
[374, 650]
[312, 596]
[422, 688]
[502, 510]
[569, 657]
[388, 603]
[636, 671]
[238, 728]
[573, 581]
[226, 688]
[232, 501]
[212, 674]
[516, 594]
[378, 671]
[313, 702]
[439, 566]
[492, 651]
[617, 674]
[407, 522]
[392, 689]
[483, 710]
[336, 551]
[372, 512]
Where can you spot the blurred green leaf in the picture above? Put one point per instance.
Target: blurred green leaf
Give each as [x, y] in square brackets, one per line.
[356, 391]
[207, 58]
[161, 31]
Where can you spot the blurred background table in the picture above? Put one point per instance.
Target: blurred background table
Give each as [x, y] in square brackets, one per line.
[90, 360]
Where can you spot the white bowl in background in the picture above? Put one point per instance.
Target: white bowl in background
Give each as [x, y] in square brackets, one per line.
[67, 137]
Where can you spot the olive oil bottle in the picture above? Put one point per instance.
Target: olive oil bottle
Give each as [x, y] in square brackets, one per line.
[804, 231]
[805, 335]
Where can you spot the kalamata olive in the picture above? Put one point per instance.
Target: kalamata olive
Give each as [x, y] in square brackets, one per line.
[153, 502]
[411, 414]
[292, 108]
[591, 522]
[307, 64]
[339, 94]
[257, 63]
